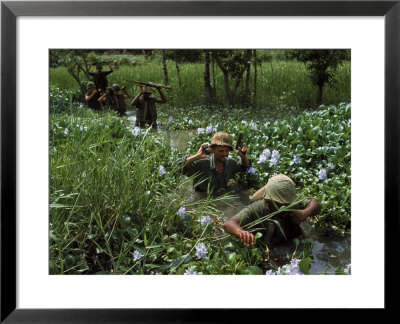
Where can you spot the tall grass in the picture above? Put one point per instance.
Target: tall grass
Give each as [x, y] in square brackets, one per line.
[109, 200]
[279, 83]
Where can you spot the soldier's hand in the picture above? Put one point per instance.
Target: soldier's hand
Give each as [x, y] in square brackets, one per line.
[123, 87]
[201, 153]
[242, 151]
[297, 217]
[247, 238]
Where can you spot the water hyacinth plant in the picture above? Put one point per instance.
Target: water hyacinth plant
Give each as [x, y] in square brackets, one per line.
[118, 203]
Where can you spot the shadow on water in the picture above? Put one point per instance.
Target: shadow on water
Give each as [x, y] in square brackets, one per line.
[328, 253]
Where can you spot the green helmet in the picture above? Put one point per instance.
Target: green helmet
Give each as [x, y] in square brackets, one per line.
[91, 85]
[223, 139]
[115, 87]
[279, 188]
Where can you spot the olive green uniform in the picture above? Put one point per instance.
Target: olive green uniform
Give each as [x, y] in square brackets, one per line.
[146, 112]
[271, 232]
[208, 174]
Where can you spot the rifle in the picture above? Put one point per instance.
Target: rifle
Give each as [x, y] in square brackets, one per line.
[239, 141]
[151, 84]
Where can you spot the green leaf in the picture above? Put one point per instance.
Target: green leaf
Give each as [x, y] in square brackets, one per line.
[304, 265]
[252, 270]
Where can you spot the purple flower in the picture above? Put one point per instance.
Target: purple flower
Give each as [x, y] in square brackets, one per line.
[296, 159]
[322, 174]
[200, 130]
[205, 220]
[267, 153]
[253, 126]
[349, 123]
[136, 131]
[66, 132]
[137, 255]
[208, 129]
[244, 122]
[251, 170]
[262, 158]
[201, 250]
[273, 161]
[190, 272]
[275, 154]
[190, 122]
[299, 129]
[270, 273]
[267, 123]
[347, 270]
[170, 118]
[331, 165]
[182, 212]
[161, 170]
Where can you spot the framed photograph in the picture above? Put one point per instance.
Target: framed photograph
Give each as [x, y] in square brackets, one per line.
[368, 29]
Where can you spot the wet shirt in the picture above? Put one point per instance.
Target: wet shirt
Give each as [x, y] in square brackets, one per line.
[261, 208]
[208, 174]
[94, 103]
[118, 104]
[146, 109]
[100, 79]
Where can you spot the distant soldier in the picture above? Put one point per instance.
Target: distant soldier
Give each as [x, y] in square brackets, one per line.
[100, 77]
[117, 100]
[279, 191]
[146, 111]
[92, 97]
[105, 99]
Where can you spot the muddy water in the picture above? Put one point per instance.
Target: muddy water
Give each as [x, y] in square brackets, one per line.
[328, 253]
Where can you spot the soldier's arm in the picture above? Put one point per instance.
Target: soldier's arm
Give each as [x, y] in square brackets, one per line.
[232, 227]
[136, 99]
[313, 208]
[88, 97]
[163, 98]
[126, 93]
[198, 156]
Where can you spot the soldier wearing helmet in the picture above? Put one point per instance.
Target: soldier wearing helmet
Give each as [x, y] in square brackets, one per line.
[212, 164]
[116, 100]
[92, 97]
[279, 191]
[100, 77]
[146, 111]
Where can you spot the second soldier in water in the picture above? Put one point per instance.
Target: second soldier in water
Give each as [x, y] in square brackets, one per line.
[146, 111]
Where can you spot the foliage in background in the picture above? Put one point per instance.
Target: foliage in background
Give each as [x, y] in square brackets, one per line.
[271, 80]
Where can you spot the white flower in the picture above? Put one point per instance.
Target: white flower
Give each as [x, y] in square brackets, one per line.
[137, 255]
[136, 131]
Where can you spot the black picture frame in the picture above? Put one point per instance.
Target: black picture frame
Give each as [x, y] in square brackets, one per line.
[10, 10]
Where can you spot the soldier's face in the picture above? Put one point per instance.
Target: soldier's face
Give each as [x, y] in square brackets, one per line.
[220, 153]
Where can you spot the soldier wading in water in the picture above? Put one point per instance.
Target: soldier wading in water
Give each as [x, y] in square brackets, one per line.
[212, 165]
[146, 111]
[279, 191]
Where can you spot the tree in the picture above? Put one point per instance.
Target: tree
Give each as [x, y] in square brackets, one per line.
[76, 62]
[164, 65]
[207, 80]
[322, 65]
[232, 63]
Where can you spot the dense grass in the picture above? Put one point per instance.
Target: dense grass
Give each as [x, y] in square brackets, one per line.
[280, 83]
[109, 201]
